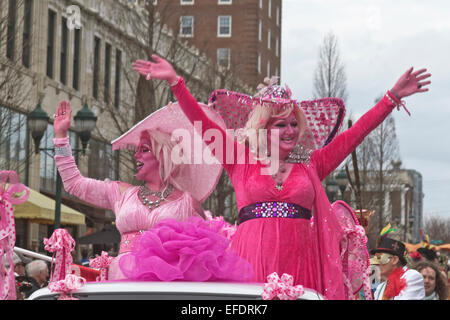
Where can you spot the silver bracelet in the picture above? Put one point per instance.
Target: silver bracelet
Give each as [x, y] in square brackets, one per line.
[65, 151]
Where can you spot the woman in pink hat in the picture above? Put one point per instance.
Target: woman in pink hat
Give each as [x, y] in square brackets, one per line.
[285, 149]
[159, 221]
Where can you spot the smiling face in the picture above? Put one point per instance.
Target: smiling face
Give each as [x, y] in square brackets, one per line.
[288, 130]
[146, 163]
[429, 279]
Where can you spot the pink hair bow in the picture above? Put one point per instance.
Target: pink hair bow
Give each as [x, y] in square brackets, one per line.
[61, 244]
[281, 288]
[102, 262]
[70, 283]
[10, 188]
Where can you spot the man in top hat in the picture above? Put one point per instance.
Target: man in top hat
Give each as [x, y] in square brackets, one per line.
[399, 282]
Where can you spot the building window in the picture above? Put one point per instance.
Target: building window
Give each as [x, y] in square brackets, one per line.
[26, 35]
[268, 38]
[13, 141]
[223, 57]
[277, 47]
[50, 42]
[277, 73]
[64, 51]
[11, 31]
[260, 4]
[95, 76]
[117, 85]
[224, 26]
[184, 2]
[259, 63]
[260, 30]
[278, 16]
[225, 1]
[106, 79]
[269, 8]
[76, 59]
[268, 68]
[187, 26]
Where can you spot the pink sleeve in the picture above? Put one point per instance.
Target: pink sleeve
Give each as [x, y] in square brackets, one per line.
[194, 113]
[331, 156]
[98, 193]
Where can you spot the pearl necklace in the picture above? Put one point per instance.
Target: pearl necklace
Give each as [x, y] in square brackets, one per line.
[162, 195]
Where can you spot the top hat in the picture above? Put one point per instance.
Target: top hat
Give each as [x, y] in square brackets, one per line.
[388, 245]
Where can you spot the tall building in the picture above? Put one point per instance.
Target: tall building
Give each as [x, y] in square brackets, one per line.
[400, 201]
[241, 36]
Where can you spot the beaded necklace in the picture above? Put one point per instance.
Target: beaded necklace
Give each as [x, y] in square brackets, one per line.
[144, 191]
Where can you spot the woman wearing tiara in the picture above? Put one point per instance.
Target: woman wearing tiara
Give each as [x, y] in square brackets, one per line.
[286, 223]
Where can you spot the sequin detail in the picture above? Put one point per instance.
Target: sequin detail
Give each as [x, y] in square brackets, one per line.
[128, 239]
[273, 209]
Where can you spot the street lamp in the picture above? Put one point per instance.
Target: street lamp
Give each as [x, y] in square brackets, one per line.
[342, 181]
[332, 188]
[37, 122]
[85, 121]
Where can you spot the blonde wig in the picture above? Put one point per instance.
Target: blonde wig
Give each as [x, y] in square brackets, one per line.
[162, 146]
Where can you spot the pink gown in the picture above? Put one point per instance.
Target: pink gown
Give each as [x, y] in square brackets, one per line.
[168, 250]
[307, 248]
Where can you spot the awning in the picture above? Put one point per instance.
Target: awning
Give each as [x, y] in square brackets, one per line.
[42, 208]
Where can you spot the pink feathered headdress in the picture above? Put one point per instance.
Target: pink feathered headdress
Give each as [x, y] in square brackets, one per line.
[323, 116]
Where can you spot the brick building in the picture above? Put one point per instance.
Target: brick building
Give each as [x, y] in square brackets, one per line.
[241, 36]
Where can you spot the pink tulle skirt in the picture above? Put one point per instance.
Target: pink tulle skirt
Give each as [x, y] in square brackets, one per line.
[195, 250]
[279, 245]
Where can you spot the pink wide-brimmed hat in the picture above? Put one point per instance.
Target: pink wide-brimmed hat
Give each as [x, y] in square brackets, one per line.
[198, 178]
[324, 117]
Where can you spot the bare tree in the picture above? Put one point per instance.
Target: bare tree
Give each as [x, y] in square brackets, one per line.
[378, 158]
[330, 79]
[15, 46]
[438, 228]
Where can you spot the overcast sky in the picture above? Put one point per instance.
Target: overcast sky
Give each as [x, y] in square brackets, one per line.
[379, 41]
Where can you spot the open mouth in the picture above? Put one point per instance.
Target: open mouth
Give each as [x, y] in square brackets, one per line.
[288, 140]
[139, 165]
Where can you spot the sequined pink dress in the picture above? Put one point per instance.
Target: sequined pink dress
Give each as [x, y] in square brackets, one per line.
[174, 242]
[307, 248]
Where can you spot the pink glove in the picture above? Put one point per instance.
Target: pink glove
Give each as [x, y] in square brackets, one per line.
[62, 119]
[411, 83]
[159, 69]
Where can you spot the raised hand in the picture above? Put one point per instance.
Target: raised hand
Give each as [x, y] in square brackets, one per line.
[62, 119]
[410, 83]
[159, 68]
